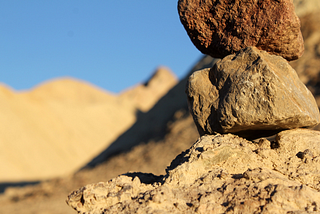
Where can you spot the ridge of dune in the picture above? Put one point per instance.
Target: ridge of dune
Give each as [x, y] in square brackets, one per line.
[70, 89]
[58, 126]
[144, 96]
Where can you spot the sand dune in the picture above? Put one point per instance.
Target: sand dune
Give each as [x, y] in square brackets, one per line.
[55, 128]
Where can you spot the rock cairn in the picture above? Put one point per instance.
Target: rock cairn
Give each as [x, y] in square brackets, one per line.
[252, 91]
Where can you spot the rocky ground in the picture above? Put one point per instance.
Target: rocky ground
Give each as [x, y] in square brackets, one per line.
[154, 151]
[219, 174]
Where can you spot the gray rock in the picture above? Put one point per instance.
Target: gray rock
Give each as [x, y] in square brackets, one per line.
[250, 93]
[220, 28]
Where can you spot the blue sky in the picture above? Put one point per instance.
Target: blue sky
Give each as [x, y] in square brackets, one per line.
[113, 44]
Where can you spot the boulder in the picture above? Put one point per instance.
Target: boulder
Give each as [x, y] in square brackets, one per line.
[251, 93]
[219, 174]
[219, 28]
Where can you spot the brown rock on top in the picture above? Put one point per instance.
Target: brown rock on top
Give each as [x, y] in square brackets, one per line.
[252, 94]
[222, 27]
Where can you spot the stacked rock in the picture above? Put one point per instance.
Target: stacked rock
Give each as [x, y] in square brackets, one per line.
[252, 91]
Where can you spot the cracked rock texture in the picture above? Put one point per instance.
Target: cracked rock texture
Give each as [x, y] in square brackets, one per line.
[219, 174]
[220, 27]
[251, 93]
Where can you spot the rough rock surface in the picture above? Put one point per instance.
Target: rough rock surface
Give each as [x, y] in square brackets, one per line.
[219, 28]
[219, 174]
[250, 93]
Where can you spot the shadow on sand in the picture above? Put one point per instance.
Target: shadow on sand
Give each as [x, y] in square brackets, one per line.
[4, 185]
[152, 124]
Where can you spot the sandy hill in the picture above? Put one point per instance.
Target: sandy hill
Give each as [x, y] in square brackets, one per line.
[57, 127]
